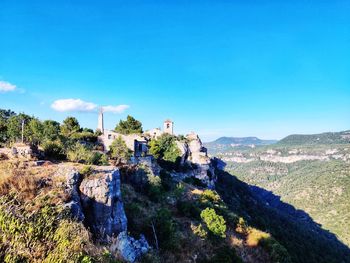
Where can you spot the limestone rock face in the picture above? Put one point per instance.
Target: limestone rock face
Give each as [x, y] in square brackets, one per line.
[198, 152]
[97, 201]
[183, 147]
[129, 248]
[194, 154]
[72, 188]
[102, 203]
[148, 161]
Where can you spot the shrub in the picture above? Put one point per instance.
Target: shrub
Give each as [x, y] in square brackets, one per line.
[165, 149]
[188, 209]
[225, 254]
[53, 150]
[165, 229]
[83, 154]
[86, 171]
[154, 187]
[98, 158]
[166, 181]
[84, 136]
[215, 223]
[242, 227]
[199, 231]
[255, 235]
[44, 236]
[210, 196]
[119, 151]
[278, 253]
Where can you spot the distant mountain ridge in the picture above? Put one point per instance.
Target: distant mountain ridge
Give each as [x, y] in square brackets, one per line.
[223, 144]
[309, 172]
[321, 138]
[242, 141]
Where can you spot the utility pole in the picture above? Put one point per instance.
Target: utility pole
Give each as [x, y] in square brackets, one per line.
[23, 131]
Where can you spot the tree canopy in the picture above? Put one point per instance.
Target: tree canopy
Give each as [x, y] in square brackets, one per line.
[129, 126]
[119, 150]
[70, 126]
[165, 148]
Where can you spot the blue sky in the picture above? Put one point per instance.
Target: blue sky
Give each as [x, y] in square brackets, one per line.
[233, 68]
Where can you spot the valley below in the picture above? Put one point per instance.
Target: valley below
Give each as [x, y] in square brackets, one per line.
[311, 175]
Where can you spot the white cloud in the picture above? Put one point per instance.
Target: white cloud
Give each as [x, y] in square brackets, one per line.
[83, 106]
[6, 86]
[73, 105]
[115, 109]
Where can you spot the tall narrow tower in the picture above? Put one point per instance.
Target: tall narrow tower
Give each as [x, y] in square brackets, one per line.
[169, 127]
[100, 125]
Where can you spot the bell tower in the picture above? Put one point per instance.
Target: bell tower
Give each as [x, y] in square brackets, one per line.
[169, 126]
[100, 125]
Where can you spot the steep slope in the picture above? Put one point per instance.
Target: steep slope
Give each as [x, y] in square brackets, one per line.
[304, 239]
[314, 178]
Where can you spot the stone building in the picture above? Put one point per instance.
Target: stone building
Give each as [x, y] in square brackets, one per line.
[169, 126]
[135, 142]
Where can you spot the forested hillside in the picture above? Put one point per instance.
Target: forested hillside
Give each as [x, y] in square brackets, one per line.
[322, 138]
[311, 176]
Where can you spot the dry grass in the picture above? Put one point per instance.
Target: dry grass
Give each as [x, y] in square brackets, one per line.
[25, 180]
[255, 236]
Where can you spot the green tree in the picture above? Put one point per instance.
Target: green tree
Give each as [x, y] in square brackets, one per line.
[14, 127]
[165, 148]
[36, 131]
[215, 223]
[51, 130]
[4, 116]
[129, 126]
[70, 126]
[119, 150]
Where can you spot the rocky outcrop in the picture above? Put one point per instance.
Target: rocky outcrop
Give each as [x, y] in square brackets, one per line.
[72, 189]
[102, 203]
[148, 161]
[195, 155]
[129, 248]
[96, 200]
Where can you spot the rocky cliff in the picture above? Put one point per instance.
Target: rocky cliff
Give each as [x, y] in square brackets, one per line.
[96, 200]
[194, 154]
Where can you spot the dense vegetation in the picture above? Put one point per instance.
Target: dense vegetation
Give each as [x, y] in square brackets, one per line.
[130, 125]
[181, 220]
[66, 141]
[304, 240]
[34, 226]
[319, 188]
[165, 150]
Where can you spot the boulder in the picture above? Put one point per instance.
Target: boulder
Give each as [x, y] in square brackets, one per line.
[129, 248]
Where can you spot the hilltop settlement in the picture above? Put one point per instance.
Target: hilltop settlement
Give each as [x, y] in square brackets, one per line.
[71, 194]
